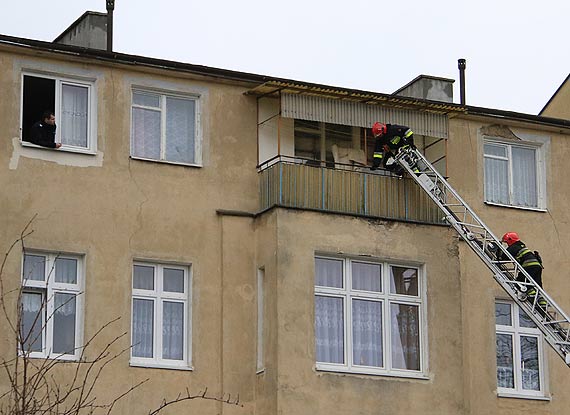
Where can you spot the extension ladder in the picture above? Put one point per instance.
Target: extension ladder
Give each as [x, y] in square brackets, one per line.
[549, 318]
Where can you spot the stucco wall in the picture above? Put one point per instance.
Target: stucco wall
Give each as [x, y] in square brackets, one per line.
[302, 389]
[120, 209]
[113, 209]
[545, 231]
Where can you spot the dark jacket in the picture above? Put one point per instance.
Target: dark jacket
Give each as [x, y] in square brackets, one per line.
[523, 255]
[43, 134]
[396, 136]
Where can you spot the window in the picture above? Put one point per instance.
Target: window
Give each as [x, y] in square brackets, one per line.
[314, 140]
[71, 100]
[160, 315]
[519, 352]
[260, 317]
[51, 306]
[368, 317]
[512, 175]
[165, 128]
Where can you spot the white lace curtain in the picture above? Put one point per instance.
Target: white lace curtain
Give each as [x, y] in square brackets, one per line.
[524, 176]
[73, 117]
[172, 329]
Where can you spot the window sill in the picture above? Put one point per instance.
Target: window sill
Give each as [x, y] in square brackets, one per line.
[520, 396]
[155, 365]
[61, 149]
[536, 209]
[166, 162]
[353, 371]
[61, 358]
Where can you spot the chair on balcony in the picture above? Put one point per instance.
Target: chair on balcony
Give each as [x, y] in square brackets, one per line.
[348, 158]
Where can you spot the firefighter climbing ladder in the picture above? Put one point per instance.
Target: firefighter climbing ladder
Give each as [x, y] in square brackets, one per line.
[549, 318]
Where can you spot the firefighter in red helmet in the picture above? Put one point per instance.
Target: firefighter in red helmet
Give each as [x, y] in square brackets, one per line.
[530, 261]
[390, 139]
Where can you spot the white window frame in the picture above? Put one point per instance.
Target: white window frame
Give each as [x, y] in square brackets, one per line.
[162, 99]
[61, 80]
[158, 296]
[49, 288]
[540, 171]
[516, 331]
[387, 298]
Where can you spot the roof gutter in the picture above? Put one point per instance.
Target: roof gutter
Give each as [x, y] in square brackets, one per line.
[517, 116]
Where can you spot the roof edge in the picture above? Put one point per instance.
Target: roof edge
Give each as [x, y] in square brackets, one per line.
[555, 93]
[127, 59]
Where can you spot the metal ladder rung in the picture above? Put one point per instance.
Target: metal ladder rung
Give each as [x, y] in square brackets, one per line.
[555, 322]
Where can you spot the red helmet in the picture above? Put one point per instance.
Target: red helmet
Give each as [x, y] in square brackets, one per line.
[510, 238]
[379, 129]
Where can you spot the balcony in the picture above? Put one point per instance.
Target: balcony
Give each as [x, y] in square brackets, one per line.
[311, 185]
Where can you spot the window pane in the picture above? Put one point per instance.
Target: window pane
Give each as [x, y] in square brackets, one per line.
[328, 273]
[34, 267]
[147, 100]
[530, 368]
[367, 333]
[146, 133]
[496, 181]
[73, 117]
[173, 280]
[38, 96]
[495, 150]
[405, 336]
[143, 327]
[173, 330]
[524, 177]
[503, 314]
[64, 323]
[505, 376]
[404, 281]
[329, 329]
[143, 277]
[66, 270]
[32, 321]
[366, 277]
[180, 131]
[524, 320]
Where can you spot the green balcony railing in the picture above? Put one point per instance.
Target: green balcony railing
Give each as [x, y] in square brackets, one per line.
[293, 182]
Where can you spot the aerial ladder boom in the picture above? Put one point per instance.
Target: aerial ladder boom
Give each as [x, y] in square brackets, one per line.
[550, 318]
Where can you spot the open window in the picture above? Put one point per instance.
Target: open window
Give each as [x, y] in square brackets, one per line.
[70, 100]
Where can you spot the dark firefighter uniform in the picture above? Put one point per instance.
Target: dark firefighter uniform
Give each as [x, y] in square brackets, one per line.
[530, 263]
[387, 145]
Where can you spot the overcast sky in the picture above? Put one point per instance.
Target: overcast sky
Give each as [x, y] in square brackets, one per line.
[517, 51]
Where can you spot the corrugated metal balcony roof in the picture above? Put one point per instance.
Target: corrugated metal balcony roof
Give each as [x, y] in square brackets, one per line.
[274, 87]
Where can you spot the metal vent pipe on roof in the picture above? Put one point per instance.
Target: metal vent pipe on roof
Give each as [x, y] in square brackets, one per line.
[110, 8]
[462, 64]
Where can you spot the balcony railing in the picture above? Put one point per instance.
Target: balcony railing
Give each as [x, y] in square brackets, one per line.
[308, 184]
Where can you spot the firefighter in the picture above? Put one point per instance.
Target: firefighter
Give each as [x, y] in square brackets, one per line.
[391, 139]
[530, 261]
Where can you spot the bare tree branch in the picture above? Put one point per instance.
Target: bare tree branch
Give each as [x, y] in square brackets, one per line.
[36, 386]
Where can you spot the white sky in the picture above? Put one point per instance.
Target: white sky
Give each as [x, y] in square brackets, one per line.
[517, 51]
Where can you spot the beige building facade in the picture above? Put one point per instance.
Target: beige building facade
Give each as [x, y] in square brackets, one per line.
[229, 221]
